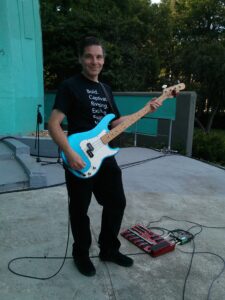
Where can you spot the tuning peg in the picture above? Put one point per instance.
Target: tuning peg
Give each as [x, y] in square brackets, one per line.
[164, 86]
[174, 93]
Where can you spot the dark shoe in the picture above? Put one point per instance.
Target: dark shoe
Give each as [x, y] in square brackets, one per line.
[85, 266]
[117, 258]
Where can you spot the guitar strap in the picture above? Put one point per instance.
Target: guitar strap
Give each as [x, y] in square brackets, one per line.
[108, 98]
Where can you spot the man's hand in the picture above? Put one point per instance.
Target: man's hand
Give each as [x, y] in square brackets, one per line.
[74, 160]
[56, 132]
[154, 104]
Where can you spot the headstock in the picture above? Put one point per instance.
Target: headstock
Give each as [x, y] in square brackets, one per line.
[172, 91]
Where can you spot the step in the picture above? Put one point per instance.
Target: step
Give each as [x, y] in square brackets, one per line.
[18, 169]
[12, 175]
[16, 146]
[5, 152]
[37, 176]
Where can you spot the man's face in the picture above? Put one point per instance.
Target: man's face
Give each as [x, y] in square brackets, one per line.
[92, 61]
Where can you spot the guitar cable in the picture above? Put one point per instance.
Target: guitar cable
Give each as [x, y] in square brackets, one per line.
[136, 163]
[44, 257]
[193, 252]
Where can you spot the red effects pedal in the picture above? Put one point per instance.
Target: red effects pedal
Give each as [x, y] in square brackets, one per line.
[147, 240]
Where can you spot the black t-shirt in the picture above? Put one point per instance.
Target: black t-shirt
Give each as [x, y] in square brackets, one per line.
[84, 103]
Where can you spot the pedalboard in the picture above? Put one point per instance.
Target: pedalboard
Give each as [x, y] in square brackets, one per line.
[147, 240]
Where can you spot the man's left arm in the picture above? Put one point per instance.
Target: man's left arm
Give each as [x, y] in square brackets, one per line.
[154, 105]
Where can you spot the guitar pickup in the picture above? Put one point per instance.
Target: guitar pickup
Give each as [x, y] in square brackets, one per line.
[90, 147]
[90, 153]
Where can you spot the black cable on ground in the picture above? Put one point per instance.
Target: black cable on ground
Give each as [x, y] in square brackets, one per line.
[33, 189]
[203, 252]
[44, 156]
[196, 225]
[136, 163]
[8, 137]
[38, 257]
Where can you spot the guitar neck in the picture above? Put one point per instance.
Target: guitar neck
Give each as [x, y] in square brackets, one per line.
[168, 93]
[127, 123]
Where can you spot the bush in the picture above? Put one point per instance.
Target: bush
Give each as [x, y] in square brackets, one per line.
[209, 146]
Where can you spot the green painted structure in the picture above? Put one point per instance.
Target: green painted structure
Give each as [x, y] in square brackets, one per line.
[21, 66]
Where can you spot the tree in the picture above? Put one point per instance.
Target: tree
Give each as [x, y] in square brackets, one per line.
[199, 53]
[132, 31]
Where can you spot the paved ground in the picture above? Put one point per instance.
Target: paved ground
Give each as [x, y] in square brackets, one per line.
[35, 224]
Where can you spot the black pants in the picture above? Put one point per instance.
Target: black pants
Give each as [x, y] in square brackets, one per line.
[108, 190]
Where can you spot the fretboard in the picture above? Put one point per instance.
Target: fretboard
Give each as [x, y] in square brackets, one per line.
[124, 125]
[168, 93]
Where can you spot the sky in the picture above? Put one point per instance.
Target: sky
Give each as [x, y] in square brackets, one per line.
[155, 1]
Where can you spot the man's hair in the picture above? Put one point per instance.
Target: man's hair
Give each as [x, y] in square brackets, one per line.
[89, 41]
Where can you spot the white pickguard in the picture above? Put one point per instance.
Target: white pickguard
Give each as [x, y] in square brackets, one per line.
[100, 152]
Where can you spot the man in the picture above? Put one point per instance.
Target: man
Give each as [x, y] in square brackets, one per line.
[84, 102]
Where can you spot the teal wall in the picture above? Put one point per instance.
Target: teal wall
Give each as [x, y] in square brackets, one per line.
[21, 66]
[130, 103]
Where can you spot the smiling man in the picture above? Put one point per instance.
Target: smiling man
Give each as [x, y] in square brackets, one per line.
[92, 61]
[83, 101]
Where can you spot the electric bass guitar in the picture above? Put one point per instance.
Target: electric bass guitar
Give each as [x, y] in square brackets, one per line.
[92, 145]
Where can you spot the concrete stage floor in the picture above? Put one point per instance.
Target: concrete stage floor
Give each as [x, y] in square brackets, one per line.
[173, 190]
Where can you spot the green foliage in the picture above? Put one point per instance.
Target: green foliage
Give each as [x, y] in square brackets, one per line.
[127, 27]
[199, 55]
[209, 146]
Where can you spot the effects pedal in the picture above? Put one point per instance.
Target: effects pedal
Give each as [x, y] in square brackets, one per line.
[147, 240]
[181, 236]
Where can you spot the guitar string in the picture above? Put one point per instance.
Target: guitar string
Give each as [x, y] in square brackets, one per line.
[108, 133]
[99, 142]
[137, 115]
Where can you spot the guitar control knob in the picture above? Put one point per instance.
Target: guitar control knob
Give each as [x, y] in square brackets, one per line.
[94, 168]
[89, 174]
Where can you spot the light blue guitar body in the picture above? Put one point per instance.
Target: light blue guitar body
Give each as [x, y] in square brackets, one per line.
[91, 149]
